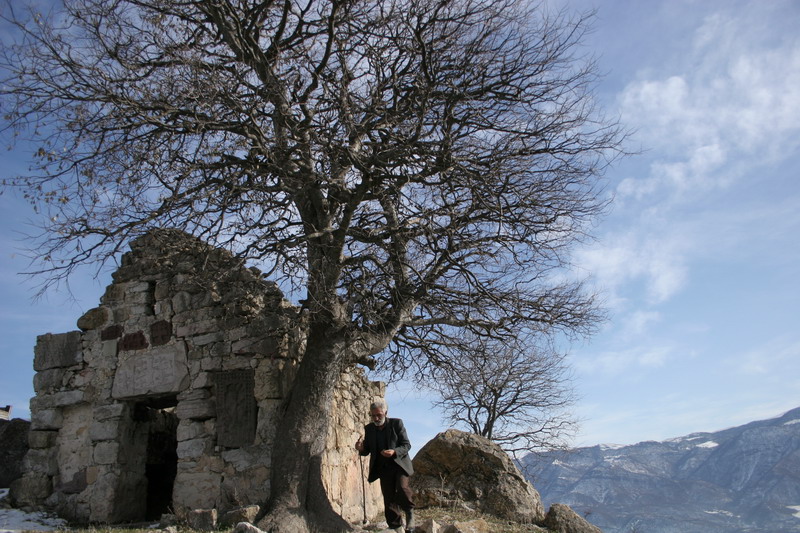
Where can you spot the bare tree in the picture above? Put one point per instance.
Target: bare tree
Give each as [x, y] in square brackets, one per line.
[516, 392]
[410, 169]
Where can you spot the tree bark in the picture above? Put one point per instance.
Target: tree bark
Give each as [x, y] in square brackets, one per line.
[299, 502]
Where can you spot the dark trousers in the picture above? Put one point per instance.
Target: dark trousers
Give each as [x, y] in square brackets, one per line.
[397, 495]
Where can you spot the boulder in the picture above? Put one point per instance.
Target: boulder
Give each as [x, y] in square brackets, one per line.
[241, 514]
[463, 468]
[562, 519]
[472, 526]
[202, 519]
[13, 447]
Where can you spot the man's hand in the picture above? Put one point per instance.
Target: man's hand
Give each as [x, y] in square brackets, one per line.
[360, 444]
[387, 453]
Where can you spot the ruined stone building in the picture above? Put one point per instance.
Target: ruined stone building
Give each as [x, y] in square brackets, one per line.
[165, 399]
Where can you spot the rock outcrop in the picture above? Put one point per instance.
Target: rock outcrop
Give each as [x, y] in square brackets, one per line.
[463, 468]
[13, 447]
[562, 519]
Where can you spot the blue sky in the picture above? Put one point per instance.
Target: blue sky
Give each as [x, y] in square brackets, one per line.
[698, 261]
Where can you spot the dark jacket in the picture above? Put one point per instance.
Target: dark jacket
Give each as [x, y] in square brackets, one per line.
[398, 441]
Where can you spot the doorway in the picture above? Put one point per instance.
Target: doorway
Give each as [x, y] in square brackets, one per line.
[156, 417]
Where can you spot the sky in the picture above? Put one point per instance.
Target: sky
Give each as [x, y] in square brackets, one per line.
[698, 260]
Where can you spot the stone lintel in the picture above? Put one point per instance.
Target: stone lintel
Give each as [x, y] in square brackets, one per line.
[160, 370]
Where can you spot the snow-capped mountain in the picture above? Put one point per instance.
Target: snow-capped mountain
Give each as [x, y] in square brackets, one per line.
[743, 479]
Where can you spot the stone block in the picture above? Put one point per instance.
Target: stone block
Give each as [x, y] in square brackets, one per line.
[208, 338]
[211, 364]
[46, 419]
[202, 519]
[196, 409]
[162, 290]
[112, 332]
[42, 439]
[57, 351]
[242, 514]
[160, 370]
[200, 327]
[114, 293]
[182, 302]
[68, 397]
[101, 430]
[106, 453]
[75, 485]
[92, 473]
[163, 308]
[143, 298]
[274, 378]
[110, 349]
[133, 341]
[48, 380]
[160, 332]
[42, 402]
[262, 346]
[133, 311]
[267, 421]
[31, 489]
[113, 411]
[193, 448]
[41, 462]
[136, 287]
[211, 463]
[94, 318]
[242, 458]
[202, 380]
[196, 490]
[190, 429]
[194, 394]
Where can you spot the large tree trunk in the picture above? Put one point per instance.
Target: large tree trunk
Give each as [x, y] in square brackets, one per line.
[298, 501]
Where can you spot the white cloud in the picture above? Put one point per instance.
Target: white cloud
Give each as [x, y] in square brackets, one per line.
[780, 354]
[624, 258]
[628, 362]
[734, 104]
[638, 322]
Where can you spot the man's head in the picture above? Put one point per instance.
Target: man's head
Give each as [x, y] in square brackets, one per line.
[377, 412]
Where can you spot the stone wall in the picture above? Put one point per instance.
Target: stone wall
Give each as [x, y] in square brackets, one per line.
[166, 399]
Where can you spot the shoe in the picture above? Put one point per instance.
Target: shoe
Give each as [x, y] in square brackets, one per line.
[410, 526]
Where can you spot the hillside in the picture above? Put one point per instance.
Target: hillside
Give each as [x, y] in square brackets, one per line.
[742, 479]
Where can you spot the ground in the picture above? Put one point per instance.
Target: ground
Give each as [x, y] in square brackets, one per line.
[15, 521]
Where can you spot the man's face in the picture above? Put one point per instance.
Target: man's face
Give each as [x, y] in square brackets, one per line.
[378, 416]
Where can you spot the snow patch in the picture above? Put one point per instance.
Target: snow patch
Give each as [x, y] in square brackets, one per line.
[708, 444]
[719, 511]
[14, 520]
[604, 447]
[790, 422]
[622, 462]
[795, 508]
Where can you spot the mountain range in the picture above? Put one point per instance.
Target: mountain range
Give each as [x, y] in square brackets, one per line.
[742, 479]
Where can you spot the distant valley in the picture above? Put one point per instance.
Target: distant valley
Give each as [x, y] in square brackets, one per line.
[742, 479]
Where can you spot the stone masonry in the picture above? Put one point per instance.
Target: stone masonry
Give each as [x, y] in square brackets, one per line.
[166, 399]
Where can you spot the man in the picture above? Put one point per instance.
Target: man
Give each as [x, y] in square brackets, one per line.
[386, 442]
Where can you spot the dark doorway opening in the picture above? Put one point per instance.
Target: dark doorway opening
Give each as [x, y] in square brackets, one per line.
[161, 466]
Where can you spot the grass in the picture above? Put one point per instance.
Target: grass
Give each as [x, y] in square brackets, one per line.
[443, 516]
